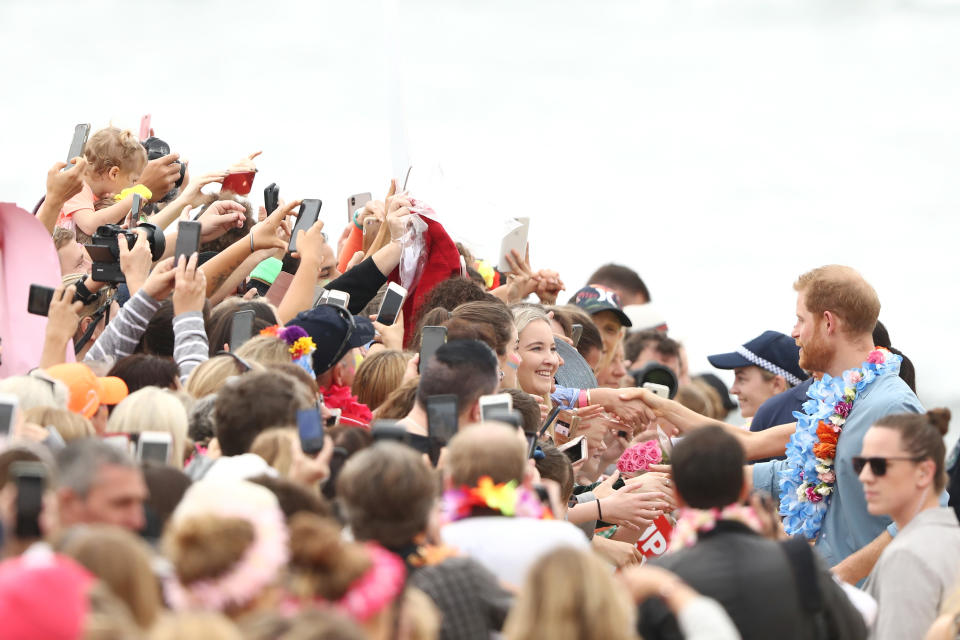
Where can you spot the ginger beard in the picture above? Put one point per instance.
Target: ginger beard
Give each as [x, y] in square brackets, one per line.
[815, 353]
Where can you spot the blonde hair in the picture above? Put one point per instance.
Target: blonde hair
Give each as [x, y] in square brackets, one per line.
[195, 625]
[378, 375]
[276, 446]
[34, 391]
[523, 315]
[570, 595]
[209, 376]
[265, 350]
[843, 292]
[122, 561]
[152, 409]
[114, 147]
[70, 425]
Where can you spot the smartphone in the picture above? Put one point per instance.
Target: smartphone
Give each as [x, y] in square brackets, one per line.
[575, 450]
[241, 328]
[39, 301]
[271, 197]
[442, 417]
[576, 332]
[339, 298]
[80, 133]
[432, 338]
[506, 416]
[550, 418]
[31, 480]
[310, 426]
[154, 446]
[661, 390]
[119, 440]
[515, 239]
[497, 402]
[357, 201]
[144, 127]
[531, 443]
[240, 182]
[309, 212]
[391, 304]
[8, 409]
[134, 216]
[188, 240]
[388, 431]
[334, 418]
[565, 426]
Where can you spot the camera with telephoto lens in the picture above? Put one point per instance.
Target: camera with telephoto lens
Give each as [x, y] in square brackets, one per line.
[157, 148]
[104, 249]
[658, 374]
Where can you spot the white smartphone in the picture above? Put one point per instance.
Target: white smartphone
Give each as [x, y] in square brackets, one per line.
[357, 201]
[661, 390]
[8, 411]
[495, 402]
[154, 446]
[514, 239]
[120, 441]
[391, 304]
[341, 298]
[575, 450]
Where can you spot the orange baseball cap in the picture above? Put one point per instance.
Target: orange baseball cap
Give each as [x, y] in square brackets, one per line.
[87, 391]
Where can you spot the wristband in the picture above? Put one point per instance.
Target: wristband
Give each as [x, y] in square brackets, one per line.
[599, 512]
[83, 294]
[356, 214]
[251, 241]
[582, 399]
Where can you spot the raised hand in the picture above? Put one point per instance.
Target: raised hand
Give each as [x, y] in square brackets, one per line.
[220, 217]
[190, 286]
[135, 261]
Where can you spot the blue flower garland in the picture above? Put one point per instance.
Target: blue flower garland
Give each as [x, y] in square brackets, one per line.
[807, 482]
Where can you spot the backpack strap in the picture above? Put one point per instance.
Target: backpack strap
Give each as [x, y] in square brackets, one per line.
[804, 569]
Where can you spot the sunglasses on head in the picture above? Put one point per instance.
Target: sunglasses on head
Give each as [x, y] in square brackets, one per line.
[878, 466]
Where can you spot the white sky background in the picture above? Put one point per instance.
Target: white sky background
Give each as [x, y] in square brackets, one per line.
[720, 148]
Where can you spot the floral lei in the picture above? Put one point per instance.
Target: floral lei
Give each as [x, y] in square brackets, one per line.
[808, 480]
[692, 522]
[507, 498]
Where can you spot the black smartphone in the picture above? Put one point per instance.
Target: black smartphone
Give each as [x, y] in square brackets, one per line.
[31, 479]
[531, 443]
[309, 212]
[134, 216]
[188, 240]
[432, 338]
[80, 134]
[39, 301]
[575, 450]
[442, 417]
[271, 197]
[506, 416]
[391, 304]
[575, 333]
[550, 418]
[241, 329]
[388, 431]
[8, 409]
[310, 426]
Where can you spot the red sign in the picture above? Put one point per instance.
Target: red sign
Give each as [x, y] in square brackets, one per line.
[656, 539]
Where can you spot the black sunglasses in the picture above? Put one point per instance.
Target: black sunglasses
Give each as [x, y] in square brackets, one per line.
[878, 466]
[243, 364]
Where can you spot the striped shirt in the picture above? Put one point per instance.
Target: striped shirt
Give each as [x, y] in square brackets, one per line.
[122, 335]
[190, 345]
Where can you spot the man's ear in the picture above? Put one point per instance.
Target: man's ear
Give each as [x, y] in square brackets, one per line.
[831, 322]
[336, 374]
[474, 412]
[68, 503]
[82, 327]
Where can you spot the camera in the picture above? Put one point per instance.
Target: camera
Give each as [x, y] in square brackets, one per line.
[656, 374]
[157, 148]
[104, 249]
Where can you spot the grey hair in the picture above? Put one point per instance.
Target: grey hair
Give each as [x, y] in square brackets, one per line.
[36, 391]
[81, 460]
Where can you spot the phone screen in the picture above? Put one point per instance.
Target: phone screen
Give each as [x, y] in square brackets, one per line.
[340, 298]
[30, 482]
[310, 426]
[6, 417]
[309, 212]
[531, 443]
[271, 198]
[574, 450]
[39, 301]
[241, 329]
[79, 141]
[357, 201]
[390, 306]
[499, 403]
[188, 240]
[432, 339]
[134, 217]
[154, 451]
[442, 417]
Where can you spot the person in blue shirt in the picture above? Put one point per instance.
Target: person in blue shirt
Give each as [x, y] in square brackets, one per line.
[836, 313]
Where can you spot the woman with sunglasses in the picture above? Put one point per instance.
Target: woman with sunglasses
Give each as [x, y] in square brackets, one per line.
[902, 470]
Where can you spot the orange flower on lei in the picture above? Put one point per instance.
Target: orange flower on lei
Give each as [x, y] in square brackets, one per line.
[826, 448]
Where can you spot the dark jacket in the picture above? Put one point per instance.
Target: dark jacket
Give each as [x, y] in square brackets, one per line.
[362, 282]
[779, 410]
[753, 579]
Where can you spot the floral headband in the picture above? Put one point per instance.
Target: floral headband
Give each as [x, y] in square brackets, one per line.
[300, 343]
[507, 498]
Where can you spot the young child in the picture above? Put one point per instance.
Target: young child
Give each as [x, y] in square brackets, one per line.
[115, 159]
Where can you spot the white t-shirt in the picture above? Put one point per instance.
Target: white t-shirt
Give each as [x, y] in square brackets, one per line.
[508, 547]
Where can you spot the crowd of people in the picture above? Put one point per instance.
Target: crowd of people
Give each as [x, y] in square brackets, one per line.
[237, 441]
